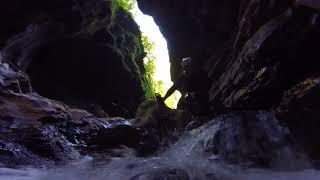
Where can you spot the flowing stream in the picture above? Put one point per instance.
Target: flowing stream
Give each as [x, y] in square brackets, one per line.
[123, 169]
[187, 158]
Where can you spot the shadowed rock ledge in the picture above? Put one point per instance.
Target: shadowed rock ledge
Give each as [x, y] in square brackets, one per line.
[256, 53]
[84, 56]
[79, 52]
[38, 131]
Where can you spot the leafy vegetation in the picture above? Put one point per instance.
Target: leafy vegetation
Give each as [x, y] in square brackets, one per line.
[126, 5]
[150, 85]
[149, 64]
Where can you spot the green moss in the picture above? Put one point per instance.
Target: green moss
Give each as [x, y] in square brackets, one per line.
[139, 46]
[129, 44]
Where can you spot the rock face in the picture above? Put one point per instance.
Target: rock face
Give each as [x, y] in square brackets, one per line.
[168, 173]
[153, 114]
[38, 131]
[250, 138]
[300, 108]
[87, 54]
[252, 50]
[257, 53]
[192, 28]
[83, 53]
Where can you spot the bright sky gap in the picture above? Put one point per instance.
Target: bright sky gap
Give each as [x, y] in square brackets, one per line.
[151, 30]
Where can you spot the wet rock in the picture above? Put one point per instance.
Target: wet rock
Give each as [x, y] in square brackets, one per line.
[12, 80]
[163, 174]
[38, 131]
[192, 28]
[309, 3]
[258, 54]
[155, 114]
[14, 154]
[52, 132]
[270, 62]
[253, 50]
[299, 109]
[251, 138]
[102, 49]
[193, 125]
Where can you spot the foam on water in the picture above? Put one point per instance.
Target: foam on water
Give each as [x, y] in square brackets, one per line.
[124, 168]
[187, 154]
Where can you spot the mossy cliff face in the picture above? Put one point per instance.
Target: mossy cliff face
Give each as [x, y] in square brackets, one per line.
[256, 52]
[78, 52]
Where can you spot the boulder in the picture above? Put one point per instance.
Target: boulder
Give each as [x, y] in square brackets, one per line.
[163, 174]
[155, 114]
[78, 52]
[41, 132]
[247, 138]
[300, 110]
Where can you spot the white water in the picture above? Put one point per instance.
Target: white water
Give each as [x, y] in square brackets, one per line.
[123, 169]
[188, 154]
[196, 165]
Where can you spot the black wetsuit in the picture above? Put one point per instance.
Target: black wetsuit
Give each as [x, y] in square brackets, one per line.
[196, 83]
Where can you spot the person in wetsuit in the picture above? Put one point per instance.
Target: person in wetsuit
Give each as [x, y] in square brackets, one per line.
[193, 83]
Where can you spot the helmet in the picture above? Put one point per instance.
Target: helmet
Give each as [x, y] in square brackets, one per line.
[187, 61]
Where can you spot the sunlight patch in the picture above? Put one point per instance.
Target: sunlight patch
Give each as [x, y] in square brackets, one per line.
[160, 53]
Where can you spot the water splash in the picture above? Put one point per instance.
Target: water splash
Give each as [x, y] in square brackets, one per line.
[189, 157]
[125, 168]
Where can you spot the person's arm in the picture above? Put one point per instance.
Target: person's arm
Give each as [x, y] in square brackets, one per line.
[170, 91]
[176, 86]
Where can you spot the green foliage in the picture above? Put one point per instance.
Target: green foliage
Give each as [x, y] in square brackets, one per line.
[148, 46]
[126, 5]
[150, 84]
[149, 64]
